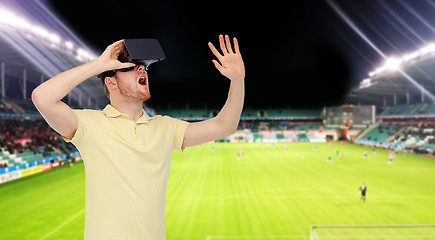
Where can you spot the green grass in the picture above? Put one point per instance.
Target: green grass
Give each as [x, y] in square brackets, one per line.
[269, 194]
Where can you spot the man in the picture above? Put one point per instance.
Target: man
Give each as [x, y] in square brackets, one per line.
[390, 158]
[127, 153]
[363, 190]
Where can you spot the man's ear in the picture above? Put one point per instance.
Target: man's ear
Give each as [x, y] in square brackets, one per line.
[111, 82]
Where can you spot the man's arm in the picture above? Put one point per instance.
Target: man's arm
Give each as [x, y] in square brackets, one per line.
[47, 96]
[225, 123]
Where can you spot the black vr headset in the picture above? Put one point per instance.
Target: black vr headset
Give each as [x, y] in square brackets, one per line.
[140, 51]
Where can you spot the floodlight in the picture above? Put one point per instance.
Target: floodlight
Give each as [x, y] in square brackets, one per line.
[392, 64]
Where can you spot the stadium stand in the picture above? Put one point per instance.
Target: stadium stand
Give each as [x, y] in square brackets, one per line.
[407, 126]
[26, 140]
[188, 114]
[4, 107]
[312, 126]
[427, 109]
[403, 109]
[417, 136]
[382, 132]
[250, 114]
[294, 113]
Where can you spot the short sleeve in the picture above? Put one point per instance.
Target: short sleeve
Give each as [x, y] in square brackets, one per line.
[80, 132]
[179, 131]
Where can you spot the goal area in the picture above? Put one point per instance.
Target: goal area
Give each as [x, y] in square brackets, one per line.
[372, 232]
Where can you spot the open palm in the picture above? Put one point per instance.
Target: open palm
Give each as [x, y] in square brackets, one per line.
[230, 63]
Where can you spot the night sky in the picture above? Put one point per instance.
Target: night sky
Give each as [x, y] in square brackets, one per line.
[298, 54]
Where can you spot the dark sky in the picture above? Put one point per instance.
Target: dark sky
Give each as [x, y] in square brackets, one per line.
[297, 54]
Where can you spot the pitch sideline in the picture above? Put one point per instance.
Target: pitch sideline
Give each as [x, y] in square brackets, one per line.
[63, 224]
[259, 237]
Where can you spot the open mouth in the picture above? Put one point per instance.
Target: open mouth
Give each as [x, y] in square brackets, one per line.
[143, 80]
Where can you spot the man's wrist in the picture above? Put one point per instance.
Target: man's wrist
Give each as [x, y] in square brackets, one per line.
[238, 80]
[98, 65]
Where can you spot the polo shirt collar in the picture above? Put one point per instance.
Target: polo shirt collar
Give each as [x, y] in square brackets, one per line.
[111, 112]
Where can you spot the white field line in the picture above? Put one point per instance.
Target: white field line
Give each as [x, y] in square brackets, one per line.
[63, 224]
[289, 237]
[282, 196]
[387, 237]
[278, 193]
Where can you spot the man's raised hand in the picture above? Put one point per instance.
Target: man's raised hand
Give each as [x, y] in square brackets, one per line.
[230, 63]
[110, 56]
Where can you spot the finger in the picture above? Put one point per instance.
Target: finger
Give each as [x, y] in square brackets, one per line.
[222, 44]
[227, 41]
[236, 46]
[117, 52]
[117, 49]
[128, 64]
[117, 43]
[214, 51]
[217, 65]
[120, 44]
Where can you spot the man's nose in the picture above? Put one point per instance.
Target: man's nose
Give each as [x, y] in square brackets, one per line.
[141, 68]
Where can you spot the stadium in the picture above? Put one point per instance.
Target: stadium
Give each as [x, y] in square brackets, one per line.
[286, 174]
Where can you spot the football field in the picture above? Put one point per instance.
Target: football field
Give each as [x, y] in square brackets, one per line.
[268, 192]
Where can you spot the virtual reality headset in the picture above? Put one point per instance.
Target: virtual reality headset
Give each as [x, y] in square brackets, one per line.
[143, 51]
[140, 51]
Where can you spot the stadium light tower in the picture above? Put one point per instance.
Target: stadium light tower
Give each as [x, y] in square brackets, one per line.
[29, 29]
[393, 64]
[19, 28]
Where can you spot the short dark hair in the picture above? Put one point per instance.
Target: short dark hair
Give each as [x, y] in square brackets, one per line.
[106, 91]
[103, 76]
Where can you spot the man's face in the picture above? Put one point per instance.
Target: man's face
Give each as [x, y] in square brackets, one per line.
[133, 84]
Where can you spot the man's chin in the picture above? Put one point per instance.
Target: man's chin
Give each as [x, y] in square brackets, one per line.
[140, 98]
[144, 97]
